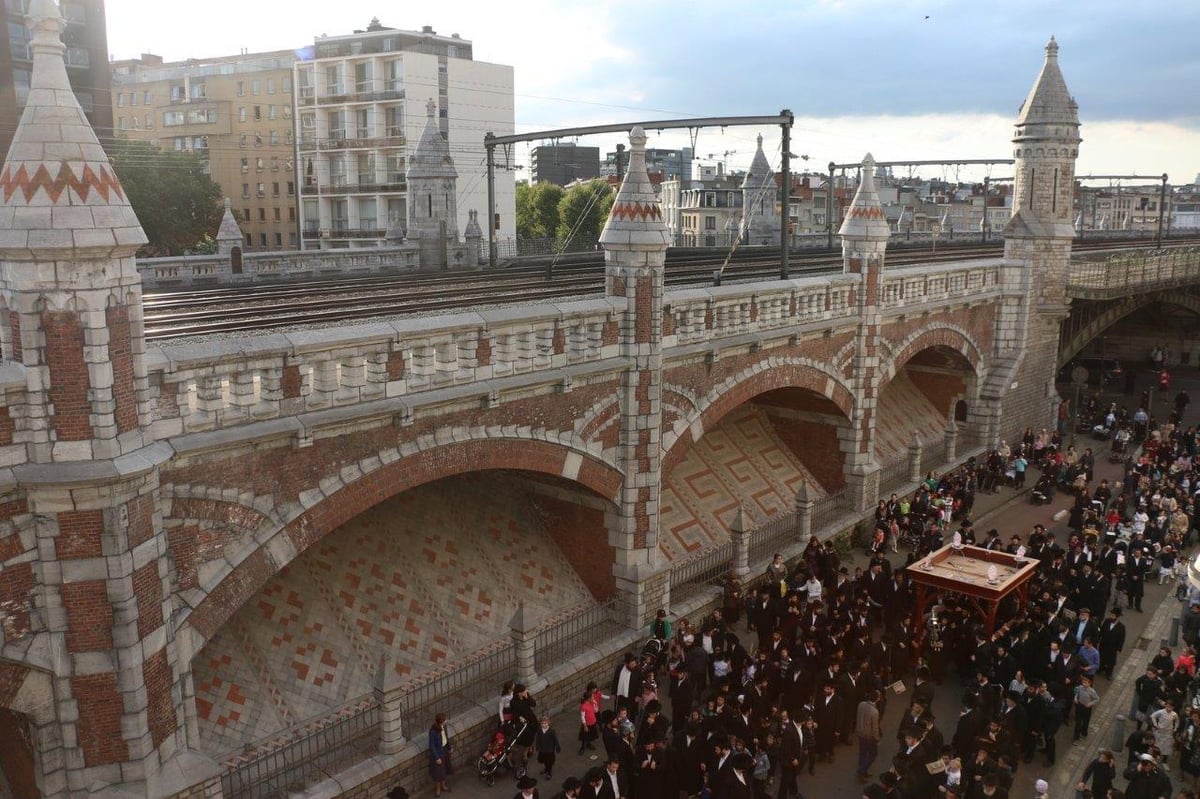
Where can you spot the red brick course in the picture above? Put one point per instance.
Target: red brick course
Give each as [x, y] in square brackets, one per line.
[16, 597]
[120, 354]
[89, 616]
[290, 382]
[80, 534]
[8, 426]
[69, 380]
[99, 726]
[581, 535]
[147, 587]
[160, 709]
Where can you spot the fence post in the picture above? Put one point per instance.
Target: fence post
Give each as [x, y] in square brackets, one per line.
[804, 514]
[390, 696]
[740, 566]
[523, 639]
[951, 441]
[914, 460]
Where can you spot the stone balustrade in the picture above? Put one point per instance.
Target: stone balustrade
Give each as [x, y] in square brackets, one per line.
[921, 285]
[211, 270]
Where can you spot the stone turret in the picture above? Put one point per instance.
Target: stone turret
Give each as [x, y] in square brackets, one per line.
[432, 194]
[865, 234]
[473, 236]
[88, 472]
[229, 235]
[759, 196]
[635, 241]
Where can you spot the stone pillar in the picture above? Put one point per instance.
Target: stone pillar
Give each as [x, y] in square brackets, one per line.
[804, 514]
[864, 235]
[915, 451]
[390, 696]
[523, 634]
[740, 567]
[635, 243]
[951, 438]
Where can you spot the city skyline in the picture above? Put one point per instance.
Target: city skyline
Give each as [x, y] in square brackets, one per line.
[904, 80]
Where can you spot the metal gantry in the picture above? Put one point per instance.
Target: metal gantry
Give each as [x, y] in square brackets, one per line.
[784, 119]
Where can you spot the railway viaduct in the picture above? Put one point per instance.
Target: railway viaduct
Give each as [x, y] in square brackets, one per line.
[206, 545]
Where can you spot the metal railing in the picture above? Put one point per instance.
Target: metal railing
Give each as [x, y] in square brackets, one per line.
[562, 637]
[893, 475]
[769, 538]
[827, 509]
[305, 754]
[704, 568]
[932, 455]
[1118, 275]
[461, 686]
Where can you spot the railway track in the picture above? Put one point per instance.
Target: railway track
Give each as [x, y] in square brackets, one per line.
[261, 307]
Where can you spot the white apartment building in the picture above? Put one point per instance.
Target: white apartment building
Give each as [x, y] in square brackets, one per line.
[360, 110]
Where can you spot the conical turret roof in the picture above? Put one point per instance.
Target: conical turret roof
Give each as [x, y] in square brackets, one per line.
[432, 157]
[58, 190]
[636, 220]
[760, 171]
[865, 218]
[1049, 102]
[229, 230]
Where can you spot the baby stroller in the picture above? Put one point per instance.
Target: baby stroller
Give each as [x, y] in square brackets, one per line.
[1117, 453]
[1043, 492]
[498, 754]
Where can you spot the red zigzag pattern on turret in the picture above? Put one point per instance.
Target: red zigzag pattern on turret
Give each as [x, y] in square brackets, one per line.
[99, 179]
[636, 210]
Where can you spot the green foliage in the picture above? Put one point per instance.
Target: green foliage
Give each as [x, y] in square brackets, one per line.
[537, 210]
[176, 202]
[584, 209]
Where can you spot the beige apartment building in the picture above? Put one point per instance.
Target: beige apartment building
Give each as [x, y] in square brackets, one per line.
[236, 112]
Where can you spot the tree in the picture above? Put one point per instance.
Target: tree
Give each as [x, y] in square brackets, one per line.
[583, 211]
[537, 210]
[176, 202]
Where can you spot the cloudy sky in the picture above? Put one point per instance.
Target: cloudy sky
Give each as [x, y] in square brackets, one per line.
[904, 79]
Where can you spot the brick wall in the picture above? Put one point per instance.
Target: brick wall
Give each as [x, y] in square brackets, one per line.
[17, 761]
[69, 380]
[580, 532]
[99, 725]
[120, 354]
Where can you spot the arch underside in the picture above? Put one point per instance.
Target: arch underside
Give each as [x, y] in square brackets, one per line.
[1099, 317]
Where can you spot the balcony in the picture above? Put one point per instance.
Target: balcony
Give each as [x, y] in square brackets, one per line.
[361, 187]
[308, 95]
[340, 143]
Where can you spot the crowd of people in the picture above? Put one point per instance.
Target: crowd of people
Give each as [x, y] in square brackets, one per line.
[830, 657]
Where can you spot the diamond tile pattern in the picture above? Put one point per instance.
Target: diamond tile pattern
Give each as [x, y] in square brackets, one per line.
[904, 411]
[429, 575]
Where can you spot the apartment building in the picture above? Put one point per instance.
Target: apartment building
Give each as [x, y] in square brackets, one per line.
[237, 114]
[86, 40]
[361, 107]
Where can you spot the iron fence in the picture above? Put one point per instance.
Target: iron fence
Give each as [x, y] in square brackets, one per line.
[769, 538]
[703, 568]
[827, 509]
[563, 637]
[932, 456]
[461, 686]
[893, 475]
[304, 754]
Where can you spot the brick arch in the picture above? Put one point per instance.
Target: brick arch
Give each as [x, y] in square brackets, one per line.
[929, 337]
[310, 525]
[766, 375]
[1115, 312]
[27, 726]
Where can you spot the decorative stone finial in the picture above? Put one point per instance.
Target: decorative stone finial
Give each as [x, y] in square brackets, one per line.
[636, 220]
[430, 108]
[865, 219]
[1051, 48]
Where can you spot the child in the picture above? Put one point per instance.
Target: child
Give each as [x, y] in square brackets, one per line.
[545, 741]
[762, 770]
[1166, 564]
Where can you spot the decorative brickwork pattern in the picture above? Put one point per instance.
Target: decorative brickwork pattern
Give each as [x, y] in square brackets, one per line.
[120, 355]
[69, 381]
[99, 725]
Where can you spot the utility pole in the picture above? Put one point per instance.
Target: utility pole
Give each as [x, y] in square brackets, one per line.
[829, 207]
[786, 169]
[1162, 209]
[490, 146]
[987, 180]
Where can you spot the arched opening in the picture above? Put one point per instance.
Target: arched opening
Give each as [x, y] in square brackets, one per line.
[929, 390]
[235, 260]
[18, 761]
[753, 457]
[428, 577]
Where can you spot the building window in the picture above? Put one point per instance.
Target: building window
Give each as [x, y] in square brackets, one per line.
[254, 87]
[245, 214]
[270, 85]
[275, 193]
[278, 214]
[275, 166]
[258, 140]
[258, 112]
[291, 188]
[242, 113]
[133, 98]
[262, 189]
[258, 164]
[242, 140]
[262, 214]
[262, 238]
[278, 239]
[245, 165]
[287, 85]
[120, 99]
[146, 97]
[246, 193]
[149, 122]
[198, 91]
[710, 223]
[272, 112]
[172, 118]
[241, 88]
[292, 239]
[291, 212]
[273, 138]
[249, 239]
[120, 123]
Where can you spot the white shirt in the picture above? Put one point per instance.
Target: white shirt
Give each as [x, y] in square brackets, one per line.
[623, 682]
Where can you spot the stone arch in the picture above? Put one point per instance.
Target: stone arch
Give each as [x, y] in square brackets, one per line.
[1111, 314]
[935, 335]
[765, 375]
[387, 475]
[29, 730]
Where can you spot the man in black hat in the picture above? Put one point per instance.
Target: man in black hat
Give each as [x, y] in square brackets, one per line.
[526, 788]
[1111, 642]
[571, 789]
